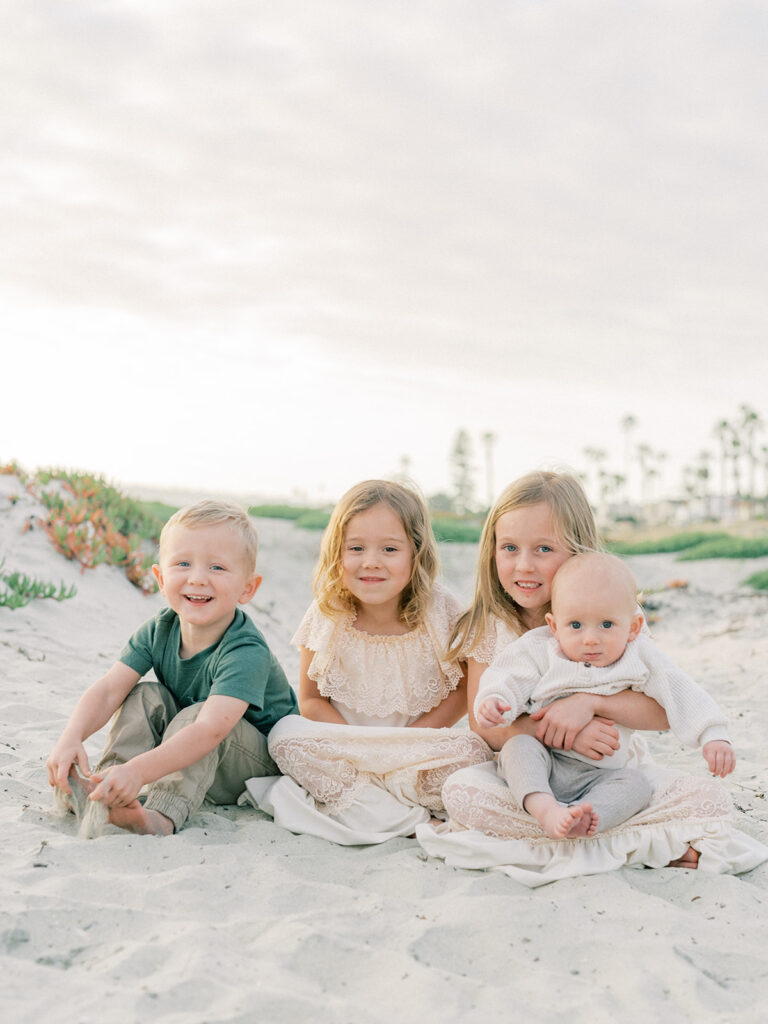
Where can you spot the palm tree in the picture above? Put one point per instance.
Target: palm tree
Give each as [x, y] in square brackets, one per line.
[489, 440]
[596, 455]
[628, 424]
[750, 424]
[723, 432]
[702, 476]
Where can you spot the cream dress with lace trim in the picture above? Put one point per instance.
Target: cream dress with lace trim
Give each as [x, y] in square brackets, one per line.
[487, 828]
[373, 778]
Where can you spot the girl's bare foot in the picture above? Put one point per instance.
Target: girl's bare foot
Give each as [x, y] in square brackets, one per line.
[690, 859]
[569, 822]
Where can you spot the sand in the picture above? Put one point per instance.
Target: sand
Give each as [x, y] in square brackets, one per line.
[234, 919]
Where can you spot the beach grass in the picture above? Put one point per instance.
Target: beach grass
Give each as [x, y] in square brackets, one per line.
[694, 545]
[91, 522]
[668, 544]
[758, 580]
[448, 528]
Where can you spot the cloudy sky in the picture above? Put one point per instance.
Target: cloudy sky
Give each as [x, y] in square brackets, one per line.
[277, 248]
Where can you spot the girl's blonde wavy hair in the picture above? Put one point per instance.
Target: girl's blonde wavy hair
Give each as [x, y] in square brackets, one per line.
[574, 526]
[332, 596]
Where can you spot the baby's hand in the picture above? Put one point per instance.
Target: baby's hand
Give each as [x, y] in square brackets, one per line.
[491, 712]
[118, 786]
[61, 761]
[720, 757]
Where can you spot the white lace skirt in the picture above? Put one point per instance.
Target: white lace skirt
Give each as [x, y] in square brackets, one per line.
[357, 785]
[488, 829]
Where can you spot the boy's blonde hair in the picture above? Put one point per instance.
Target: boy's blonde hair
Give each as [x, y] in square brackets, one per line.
[214, 513]
[574, 526]
[331, 594]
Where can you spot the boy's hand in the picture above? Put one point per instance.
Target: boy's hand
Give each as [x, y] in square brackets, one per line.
[720, 757]
[118, 786]
[491, 712]
[61, 761]
[598, 739]
[561, 722]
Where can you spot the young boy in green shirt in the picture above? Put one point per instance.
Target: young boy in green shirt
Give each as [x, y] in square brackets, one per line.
[200, 731]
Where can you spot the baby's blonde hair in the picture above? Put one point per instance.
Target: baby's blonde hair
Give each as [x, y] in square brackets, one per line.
[574, 526]
[332, 596]
[602, 570]
[213, 513]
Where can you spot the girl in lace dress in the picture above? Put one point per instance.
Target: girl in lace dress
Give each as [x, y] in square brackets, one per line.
[538, 523]
[367, 759]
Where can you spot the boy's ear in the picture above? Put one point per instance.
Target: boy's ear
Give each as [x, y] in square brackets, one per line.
[251, 587]
[158, 574]
[551, 622]
[635, 625]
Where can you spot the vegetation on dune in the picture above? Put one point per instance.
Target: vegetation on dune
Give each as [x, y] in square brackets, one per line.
[277, 511]
[728, 547]
[758, 580]
[447, 527]
[457, 529]
[17, 589]
[693, 546]
[673, 542]
[89, 521]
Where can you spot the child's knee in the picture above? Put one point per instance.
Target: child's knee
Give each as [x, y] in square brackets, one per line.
[184, 717]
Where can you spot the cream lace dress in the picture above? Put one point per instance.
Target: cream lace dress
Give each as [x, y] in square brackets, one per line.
[374, 778]
[488, 829]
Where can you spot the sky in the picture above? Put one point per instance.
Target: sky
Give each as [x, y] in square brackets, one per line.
[274, 249]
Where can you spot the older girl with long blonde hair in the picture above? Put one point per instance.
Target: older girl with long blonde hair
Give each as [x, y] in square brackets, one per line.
[538, 523]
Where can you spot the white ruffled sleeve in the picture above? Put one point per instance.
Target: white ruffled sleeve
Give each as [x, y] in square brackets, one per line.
[316, 633]
[442, 615]
[496, 638]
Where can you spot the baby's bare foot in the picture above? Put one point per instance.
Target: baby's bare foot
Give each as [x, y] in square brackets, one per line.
[690, 859]
[569, 822]
[134, 817]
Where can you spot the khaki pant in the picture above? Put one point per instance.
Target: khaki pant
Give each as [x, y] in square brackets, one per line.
[149, 716]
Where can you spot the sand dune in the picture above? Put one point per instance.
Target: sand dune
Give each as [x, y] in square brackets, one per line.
[234, 919]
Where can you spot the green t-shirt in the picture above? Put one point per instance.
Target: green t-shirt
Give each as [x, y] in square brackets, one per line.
[240, 665]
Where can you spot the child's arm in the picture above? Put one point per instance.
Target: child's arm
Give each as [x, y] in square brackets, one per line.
[560, 723]
[312, 704]
[497, 736]
[94, 709]
[449, 711]
[218, 716]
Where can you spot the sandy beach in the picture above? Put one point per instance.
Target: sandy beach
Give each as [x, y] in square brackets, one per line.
[234, 919]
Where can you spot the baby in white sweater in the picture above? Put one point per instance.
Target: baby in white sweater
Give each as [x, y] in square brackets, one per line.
[593, 644]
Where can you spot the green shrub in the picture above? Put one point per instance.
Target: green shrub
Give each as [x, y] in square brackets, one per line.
[728, 547]
[758, 580]
[17, 590]
[663, 545]
[277, 511]
[450, 530]
[313, 519]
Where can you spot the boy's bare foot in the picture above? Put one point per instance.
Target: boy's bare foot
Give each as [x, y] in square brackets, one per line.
[569, 822]
[76, 801]
[134, 817]
[690, 859]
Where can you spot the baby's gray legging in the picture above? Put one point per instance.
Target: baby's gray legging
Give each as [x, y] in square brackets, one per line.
[615, 793]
